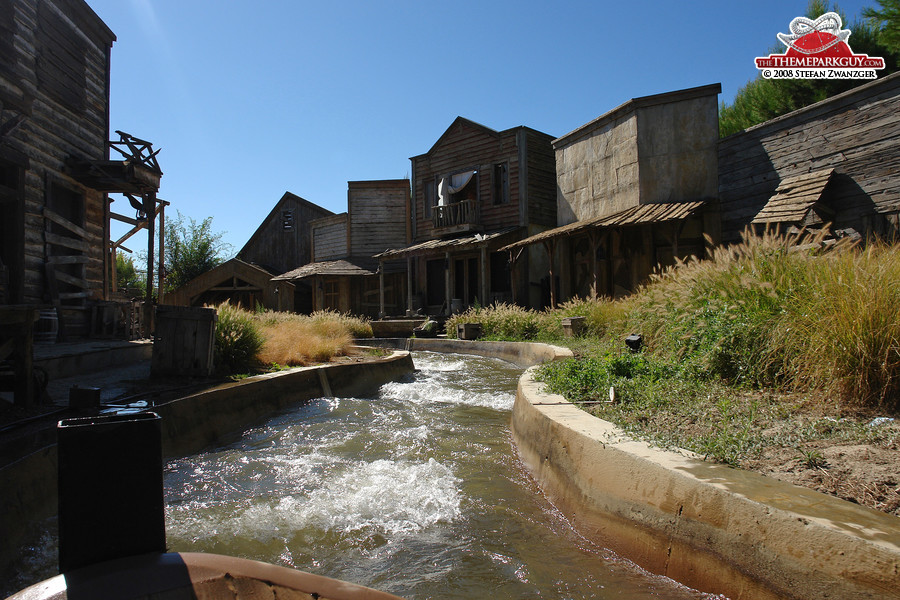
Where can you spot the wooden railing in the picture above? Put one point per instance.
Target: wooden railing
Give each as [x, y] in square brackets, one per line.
[452, 215]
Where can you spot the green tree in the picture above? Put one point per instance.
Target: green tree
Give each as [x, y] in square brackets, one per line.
[887, 22]
[763, 99]
[192, 249]
[127, 276]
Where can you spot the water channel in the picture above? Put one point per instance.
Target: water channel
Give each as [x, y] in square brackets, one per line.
[417, 491]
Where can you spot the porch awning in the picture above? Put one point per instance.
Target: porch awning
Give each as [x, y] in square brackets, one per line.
[439, 246]
[637, 215]
[328, 267]
[794, 198]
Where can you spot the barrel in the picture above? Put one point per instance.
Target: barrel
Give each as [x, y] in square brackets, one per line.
[47, 327]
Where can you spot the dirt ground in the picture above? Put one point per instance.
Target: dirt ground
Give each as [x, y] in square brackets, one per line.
[865, 473]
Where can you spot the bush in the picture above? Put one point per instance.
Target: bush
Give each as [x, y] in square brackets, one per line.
[238, 339]
[500, 321]
[294, 339]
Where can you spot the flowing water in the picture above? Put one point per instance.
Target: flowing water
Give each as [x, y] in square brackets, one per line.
[417, 491]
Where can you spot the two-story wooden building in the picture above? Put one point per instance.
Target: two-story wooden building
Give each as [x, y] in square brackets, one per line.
[474, 191]
[343, 275]
[55, 164]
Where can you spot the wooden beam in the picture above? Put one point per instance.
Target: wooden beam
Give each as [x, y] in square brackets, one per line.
[76, 281]
[67, 242]
[68, 260]
[123, 218]
[63, 222]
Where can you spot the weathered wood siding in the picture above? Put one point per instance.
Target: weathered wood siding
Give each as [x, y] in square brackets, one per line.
[54, 72]
[329, 238]
[283, 240]
[654, 149]
[469, 146]
[857, 133]
[377, 213]
[540, 174]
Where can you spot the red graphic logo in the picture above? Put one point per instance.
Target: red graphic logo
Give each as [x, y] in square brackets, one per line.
[818, 50]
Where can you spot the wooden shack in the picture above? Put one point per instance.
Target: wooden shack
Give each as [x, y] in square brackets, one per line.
[473, 191]
[834, 162]
[343, 274]
[636, 190]
[55, 164]
[238, 283]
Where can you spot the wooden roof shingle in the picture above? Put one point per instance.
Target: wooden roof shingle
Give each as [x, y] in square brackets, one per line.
[794, 198]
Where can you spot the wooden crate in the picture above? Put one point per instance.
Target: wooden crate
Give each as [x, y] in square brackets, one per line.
[184, 341]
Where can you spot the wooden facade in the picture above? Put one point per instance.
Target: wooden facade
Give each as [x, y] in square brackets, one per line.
[508, 180]
[636, 190]
[282, 241]
[54, 119]
[855, 134]
[343, 275]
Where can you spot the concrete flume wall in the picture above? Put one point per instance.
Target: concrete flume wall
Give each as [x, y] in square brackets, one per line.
[711, 527]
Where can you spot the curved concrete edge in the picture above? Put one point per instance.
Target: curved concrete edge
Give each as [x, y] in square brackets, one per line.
[194, 575]
[523, 354]
[708, 526]
[199, 420]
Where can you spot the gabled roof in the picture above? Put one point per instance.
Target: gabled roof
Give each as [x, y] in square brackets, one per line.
[274, 213]
[636, 215]
[472, 124]
[234, 268]
[795, 198]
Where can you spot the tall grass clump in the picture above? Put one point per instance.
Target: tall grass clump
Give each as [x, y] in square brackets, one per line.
[783, 311]
[238, 339]
[843, 334]
[500, 321]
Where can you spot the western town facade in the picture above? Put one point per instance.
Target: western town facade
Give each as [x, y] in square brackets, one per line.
[475, 190]
[58, 165]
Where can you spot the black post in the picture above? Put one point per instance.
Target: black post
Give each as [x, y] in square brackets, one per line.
[110, 489]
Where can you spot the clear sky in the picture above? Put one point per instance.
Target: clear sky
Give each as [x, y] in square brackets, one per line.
[251, 98]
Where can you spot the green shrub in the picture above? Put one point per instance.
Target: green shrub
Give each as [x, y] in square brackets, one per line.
[238, 339]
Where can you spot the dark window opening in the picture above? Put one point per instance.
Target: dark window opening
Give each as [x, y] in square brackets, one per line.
[287, 220]
[501, 282]
[12, 234]
[429, 197]
[500, 182]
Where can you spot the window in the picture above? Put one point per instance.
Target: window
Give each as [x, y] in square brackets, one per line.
[287, 220]
[429, 197]
[331, 294]
[500, 181]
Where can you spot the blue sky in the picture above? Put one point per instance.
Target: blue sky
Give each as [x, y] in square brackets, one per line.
[251, 98]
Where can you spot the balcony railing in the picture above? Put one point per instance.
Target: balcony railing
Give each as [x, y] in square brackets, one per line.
[462, 216]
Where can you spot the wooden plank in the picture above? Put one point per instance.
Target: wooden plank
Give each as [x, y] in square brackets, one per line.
[68, 260]
[71, 280]
[67, 242]
[124, 219]
[74, 295]
[63, 222]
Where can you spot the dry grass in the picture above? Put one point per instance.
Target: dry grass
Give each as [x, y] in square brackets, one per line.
[296, 340]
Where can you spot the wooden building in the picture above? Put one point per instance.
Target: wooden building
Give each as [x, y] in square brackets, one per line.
[283, 240]
[55, 163]
[343, 276]
[636, 190]
[834, 162]
[239, 283]
[475, 190]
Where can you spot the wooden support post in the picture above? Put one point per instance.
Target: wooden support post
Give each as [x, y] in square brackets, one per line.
[447, 282]
[162, 251]
[150, 211]
[114, 274]
[409, 286]
[381, 289]
[484, 288]
[594, 243]
[550, 246]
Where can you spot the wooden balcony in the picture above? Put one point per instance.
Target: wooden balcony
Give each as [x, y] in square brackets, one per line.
[459, 217]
